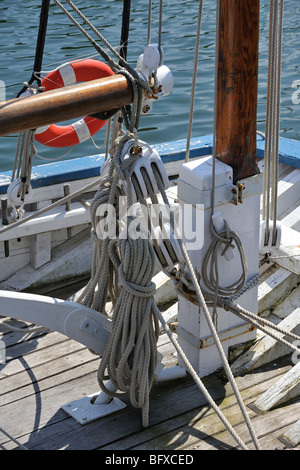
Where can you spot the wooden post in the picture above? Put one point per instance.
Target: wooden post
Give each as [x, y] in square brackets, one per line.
[237, 78]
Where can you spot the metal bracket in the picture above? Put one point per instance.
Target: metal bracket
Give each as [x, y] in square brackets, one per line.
[246, 187]
[209, 341]
[85, 410]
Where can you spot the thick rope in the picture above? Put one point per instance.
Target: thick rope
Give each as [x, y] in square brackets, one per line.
[130, 356]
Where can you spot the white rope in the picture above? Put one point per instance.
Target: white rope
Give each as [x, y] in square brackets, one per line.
[149, 21]
[118, 360]
[13, 439]
[118, 67]
[271, 156]
[193, 90]
[211, 325]
[49, 207]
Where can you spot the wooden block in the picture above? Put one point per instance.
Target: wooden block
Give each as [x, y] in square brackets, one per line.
[285, 389]
[287, 254]
[288, 190]
[40, 249]
[275, 288]
[266, 349]
[292, 218]
[170, 315]
[165, 289]
[291, 438]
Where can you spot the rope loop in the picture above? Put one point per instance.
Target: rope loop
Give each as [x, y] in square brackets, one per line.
[210, 274]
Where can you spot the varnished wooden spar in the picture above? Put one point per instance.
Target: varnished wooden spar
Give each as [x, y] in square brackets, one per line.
[66, 103]
[237, 78]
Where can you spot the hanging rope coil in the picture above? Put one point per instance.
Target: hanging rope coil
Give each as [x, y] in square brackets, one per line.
[130, 357]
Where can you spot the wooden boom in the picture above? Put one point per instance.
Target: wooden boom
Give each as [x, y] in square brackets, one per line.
[65, 103]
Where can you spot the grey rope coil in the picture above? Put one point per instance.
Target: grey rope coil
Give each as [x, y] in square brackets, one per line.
[209, 271]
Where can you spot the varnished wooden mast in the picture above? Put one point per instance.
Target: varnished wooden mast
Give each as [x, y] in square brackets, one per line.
[65, 103]
[237, 78]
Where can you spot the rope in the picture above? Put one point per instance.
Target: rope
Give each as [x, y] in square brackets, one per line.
[199, 382]
[130, 356]
[112, 63]
[254, 319]
[13, 439]
[246, 315]
[39, 46]
[29, 329]
[210, 271]
[271, 159]
[219, 345]
[211, 325]
[192, 103]
[149, 21]
[130, 272]
[49, 207]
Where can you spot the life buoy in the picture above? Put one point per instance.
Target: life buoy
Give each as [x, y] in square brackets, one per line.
[68, 74]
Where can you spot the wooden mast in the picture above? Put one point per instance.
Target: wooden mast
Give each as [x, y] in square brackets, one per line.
[237, 78]
[74, 101]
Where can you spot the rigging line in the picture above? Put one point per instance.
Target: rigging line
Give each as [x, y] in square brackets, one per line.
[215, 110]
[101, 51]
[198, 381]
[267, 153]
[219, 345]
[244, 314]
[13, 439]
[160, 25]
[55, 158]
[196, 59]
[125, 29]
[49, 207]
[112, 63]
[149, 21]
[39, 45]
[277, 120]
[211, 325]
[271, 159]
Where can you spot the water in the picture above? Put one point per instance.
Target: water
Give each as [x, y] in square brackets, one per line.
[169, 118]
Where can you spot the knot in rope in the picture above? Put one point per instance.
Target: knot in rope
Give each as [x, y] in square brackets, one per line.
[33, 88]
[136, 289]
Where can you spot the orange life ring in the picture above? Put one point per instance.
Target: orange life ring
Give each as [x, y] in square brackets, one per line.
[68, 74]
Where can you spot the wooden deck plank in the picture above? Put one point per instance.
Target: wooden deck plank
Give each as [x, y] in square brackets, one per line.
[174, 433]
[50, 370]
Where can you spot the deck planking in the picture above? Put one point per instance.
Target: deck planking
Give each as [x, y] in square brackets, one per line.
[46, 371]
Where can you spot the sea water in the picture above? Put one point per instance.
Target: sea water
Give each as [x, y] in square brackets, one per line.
[170, 115]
